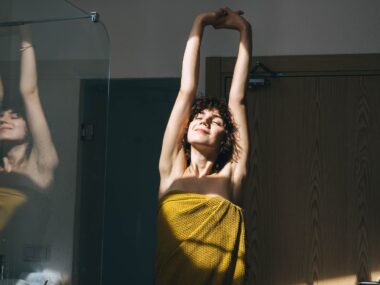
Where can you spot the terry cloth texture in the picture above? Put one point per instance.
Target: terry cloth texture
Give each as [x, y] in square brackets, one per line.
[200, 240]
[16, 191]
[10, 200]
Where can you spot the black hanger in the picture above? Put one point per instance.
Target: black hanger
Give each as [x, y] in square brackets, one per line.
[261, 80]
[259, 65]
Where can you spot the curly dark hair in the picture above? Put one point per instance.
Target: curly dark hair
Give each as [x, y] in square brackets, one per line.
[228, 145]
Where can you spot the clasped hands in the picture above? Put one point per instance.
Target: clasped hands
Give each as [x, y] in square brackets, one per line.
[224, 18]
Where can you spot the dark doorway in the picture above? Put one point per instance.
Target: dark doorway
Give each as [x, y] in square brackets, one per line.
[139, 110]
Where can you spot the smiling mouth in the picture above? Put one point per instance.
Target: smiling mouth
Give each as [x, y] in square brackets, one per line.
[5, 128]
[202, 131]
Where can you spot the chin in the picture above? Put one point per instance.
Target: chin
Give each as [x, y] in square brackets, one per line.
[11, 139]
[195, 141]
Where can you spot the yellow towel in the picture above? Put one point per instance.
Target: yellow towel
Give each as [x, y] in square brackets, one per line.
[200, 241]
[10, 200]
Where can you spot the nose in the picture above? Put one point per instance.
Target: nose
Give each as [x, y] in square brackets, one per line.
[206, 121]
[4, 118]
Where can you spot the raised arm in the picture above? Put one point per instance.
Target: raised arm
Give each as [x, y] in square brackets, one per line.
[237, 100]
[172, 143]
[43, 152]
[1, 92]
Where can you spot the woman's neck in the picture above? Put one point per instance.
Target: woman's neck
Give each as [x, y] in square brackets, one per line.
[14, 156]
[202, 163]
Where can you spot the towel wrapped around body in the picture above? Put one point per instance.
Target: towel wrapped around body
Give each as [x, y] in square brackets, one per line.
[200, 240]
[10, 200]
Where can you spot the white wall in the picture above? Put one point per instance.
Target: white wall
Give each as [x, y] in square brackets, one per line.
[148, 36]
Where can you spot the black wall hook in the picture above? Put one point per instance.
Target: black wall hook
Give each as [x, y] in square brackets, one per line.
[261, 80]
[259, 65]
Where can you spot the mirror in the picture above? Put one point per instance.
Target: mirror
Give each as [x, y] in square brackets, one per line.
[44, 58]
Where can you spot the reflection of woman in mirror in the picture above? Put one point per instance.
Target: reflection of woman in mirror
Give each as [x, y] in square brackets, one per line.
[203, 165]
[28, 154]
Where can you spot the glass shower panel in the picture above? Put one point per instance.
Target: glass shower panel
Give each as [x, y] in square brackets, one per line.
[47, 49]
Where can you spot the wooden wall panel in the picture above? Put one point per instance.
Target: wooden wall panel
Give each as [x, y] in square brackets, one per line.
[311, 201]
[372, 83]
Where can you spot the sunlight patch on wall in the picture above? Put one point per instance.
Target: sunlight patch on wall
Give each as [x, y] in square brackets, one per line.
[342, 280]
[375, 275]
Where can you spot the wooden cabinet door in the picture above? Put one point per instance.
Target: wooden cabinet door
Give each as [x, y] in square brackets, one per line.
[312, 200]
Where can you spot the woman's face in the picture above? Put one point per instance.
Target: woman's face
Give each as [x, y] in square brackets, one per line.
[12, 126]
[207, 128]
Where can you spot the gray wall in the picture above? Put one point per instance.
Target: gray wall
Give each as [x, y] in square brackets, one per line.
[148, 37]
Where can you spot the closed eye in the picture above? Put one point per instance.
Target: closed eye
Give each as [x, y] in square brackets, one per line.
[15, 115]
[218, 122]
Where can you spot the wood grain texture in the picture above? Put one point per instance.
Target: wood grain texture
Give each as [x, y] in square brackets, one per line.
[373, 195]
[311, 203]
[362, 169]
[251, 200]
[315, 185]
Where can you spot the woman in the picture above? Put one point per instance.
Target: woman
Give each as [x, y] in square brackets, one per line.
[200, 227]
[28, 154]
